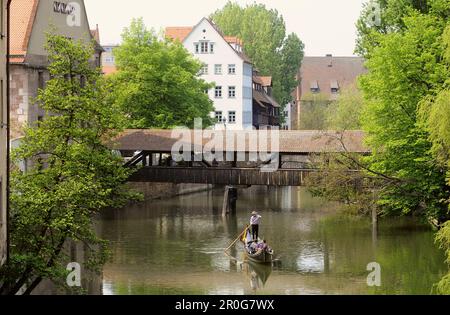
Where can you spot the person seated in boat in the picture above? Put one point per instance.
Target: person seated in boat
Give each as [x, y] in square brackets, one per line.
[262, 246]
[253, 247]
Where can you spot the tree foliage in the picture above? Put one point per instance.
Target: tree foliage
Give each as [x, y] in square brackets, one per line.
[406, 115]
[265, 42]
[434, 113]
[391, 18]
[345, 112]
[313, 111]
[157, 84]
[71, 174]
[405, 68]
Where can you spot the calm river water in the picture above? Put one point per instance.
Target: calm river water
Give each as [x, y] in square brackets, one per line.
[175, 246]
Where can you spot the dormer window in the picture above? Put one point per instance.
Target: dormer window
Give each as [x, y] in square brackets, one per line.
[334, 87]
[315, 87]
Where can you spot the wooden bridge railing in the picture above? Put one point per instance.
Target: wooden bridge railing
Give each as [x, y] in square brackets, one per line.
[221, 176]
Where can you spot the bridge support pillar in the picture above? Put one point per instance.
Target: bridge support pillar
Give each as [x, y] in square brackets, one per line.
[374, 225]
[229, 201]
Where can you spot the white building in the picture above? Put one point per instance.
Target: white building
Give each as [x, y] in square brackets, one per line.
[226, 65]
[288, 116]
[108, 59]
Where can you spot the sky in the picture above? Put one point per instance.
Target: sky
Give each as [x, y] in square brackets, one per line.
[325, 26]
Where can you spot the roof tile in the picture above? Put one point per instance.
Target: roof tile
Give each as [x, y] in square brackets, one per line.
[178, 32]
[23, 13]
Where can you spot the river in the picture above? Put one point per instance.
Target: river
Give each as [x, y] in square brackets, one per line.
[175, 246]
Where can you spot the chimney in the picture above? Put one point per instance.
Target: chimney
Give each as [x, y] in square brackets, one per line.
[330, 60]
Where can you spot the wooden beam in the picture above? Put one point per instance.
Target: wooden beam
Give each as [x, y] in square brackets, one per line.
[221, 176]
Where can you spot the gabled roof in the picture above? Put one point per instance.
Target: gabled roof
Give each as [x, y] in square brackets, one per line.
[96, 34]
[182, 32]
[266, 81]
[233, 40]
[329, 72]
[23, 13]
[264, 100]
[257, 79]
[295, 141]
[178, 32]
[261, 97]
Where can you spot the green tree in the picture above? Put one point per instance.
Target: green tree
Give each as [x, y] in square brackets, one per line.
[404, 68]
[71, 175]
[292, 54]
[345, 112]
[434, 113]
[313, 111]
[391, 18]
[265, 42]
[157, 84]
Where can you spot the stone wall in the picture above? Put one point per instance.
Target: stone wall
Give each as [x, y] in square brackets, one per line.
[25, 82]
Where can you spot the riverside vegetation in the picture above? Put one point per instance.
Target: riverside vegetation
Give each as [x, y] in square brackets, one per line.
[405, 113]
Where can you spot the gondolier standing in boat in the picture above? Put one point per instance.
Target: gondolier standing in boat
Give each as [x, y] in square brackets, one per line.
[255, 220]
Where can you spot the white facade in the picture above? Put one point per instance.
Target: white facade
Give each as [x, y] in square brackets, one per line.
[288, 116]
[108, 58]
[232, 95]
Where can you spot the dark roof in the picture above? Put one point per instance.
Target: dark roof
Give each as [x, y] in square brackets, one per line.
[327, 72]
[293, 142]
[261, 97]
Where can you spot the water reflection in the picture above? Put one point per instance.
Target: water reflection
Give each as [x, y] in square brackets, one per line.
[176, 246]
[258, 274]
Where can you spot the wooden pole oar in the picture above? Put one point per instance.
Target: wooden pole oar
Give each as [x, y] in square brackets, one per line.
[236, 240]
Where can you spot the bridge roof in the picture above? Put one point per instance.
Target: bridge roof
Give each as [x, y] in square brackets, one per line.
[290, 142]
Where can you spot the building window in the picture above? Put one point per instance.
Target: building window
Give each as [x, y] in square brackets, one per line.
[109, 59]
[315, 87]
[196, 48]
[218, 69]
[231, 92]
[219, 117]
[41, 81]
[232, 117]
[204, 47]
[334, 86]
[204, 70]
[211, 48]
[218, 92]
[231, 69]
[206, 91]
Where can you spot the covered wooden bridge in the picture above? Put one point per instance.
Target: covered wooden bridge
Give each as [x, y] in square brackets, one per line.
[279, 158]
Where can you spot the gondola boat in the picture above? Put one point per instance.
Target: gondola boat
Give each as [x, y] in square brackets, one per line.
[260, 256]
